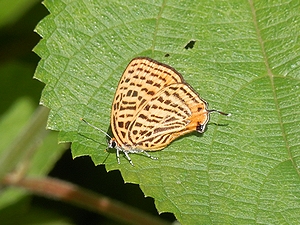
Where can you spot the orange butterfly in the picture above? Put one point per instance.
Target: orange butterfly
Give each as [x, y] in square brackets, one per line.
[153, 105]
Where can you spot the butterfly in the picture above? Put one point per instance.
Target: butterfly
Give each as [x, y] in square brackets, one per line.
[153, 105]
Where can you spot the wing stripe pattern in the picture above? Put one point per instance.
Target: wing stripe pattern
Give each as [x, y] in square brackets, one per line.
[141, 80]
[165, 117]
[152, 106]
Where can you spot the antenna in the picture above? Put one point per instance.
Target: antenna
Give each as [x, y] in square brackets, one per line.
[96, 128]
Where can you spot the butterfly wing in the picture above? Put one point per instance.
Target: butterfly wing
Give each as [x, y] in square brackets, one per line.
[141, 80]
[174, 111]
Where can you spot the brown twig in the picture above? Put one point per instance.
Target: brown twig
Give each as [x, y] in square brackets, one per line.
[68, 192]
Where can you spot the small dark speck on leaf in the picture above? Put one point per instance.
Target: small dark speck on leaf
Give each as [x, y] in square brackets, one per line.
[167, 55]
[190, 44]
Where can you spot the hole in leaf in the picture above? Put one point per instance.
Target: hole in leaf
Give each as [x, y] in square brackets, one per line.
[190, 44]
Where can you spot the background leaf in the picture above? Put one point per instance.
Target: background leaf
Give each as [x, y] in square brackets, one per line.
[26, 148]
[245, 61]
[11, 11]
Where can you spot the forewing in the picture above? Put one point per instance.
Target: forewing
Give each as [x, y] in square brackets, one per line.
[172, 112]
[141, 80]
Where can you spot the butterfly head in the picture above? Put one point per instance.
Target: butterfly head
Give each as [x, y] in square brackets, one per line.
[112, 143]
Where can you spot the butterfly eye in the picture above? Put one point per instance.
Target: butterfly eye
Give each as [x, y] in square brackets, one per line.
[112, 143]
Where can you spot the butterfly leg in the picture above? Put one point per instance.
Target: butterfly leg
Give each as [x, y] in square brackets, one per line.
[128, 157]
[118, 155]
[148, 155]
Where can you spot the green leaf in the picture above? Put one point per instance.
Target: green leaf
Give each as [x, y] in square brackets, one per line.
[33, 152]
[26, 148]
[245, 168]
